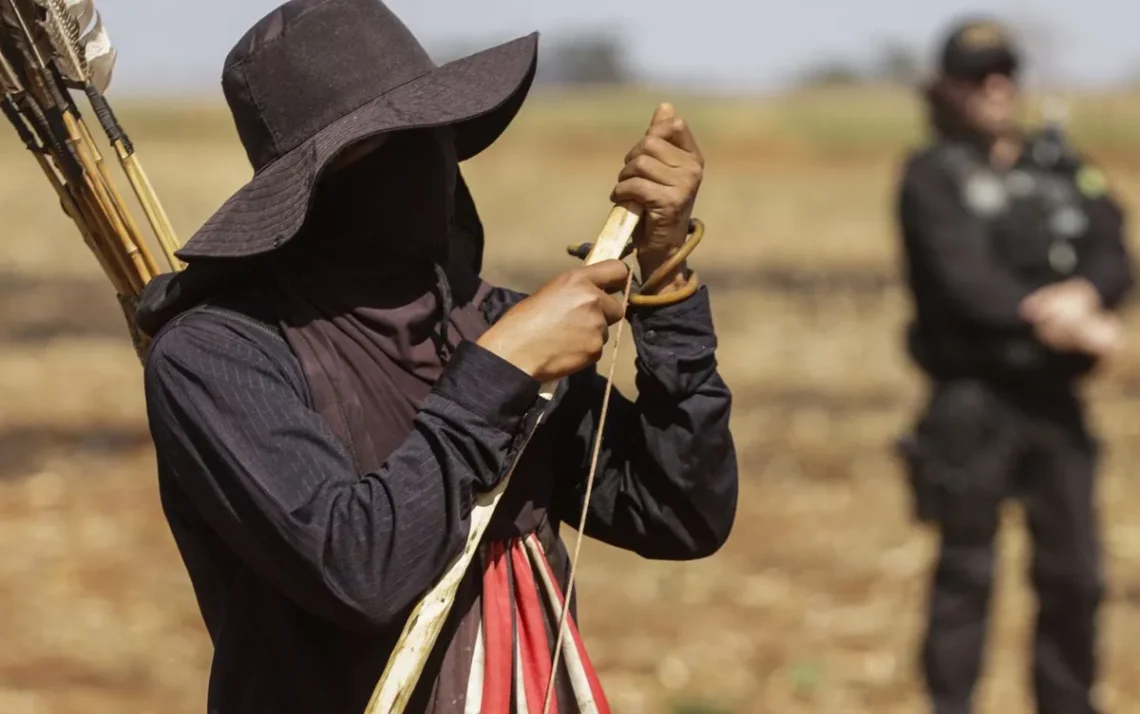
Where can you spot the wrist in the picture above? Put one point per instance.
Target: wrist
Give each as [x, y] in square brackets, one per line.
[487, 385]
[507, 351]
[675, 279]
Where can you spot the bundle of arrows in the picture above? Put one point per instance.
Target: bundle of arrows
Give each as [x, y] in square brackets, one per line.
[52, 48]
[48, 50]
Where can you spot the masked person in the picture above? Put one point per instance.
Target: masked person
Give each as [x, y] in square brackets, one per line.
[1015, 259]
[330, 383]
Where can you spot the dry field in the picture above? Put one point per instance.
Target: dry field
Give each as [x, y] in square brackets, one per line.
[816, 602]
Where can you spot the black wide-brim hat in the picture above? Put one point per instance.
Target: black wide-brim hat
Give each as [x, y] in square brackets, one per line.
[315, 77]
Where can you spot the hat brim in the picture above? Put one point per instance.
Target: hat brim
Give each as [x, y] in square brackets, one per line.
[479, 95]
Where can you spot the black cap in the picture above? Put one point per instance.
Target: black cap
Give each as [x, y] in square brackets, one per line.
[977, 48]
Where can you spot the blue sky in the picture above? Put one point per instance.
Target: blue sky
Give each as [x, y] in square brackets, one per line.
[747, 45]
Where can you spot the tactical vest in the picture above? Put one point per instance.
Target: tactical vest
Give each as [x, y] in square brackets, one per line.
[1032, 211]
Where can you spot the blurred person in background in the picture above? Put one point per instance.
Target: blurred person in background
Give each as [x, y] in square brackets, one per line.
[1015, 260]
[331, 383]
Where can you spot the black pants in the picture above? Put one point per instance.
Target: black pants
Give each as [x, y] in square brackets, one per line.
[979, 445]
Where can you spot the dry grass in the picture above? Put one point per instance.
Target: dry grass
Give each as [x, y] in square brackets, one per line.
[813, 606]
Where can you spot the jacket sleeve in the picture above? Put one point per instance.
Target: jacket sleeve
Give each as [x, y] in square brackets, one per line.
[232, 429]
[1106, 262]
[666, 485]
[951, 245]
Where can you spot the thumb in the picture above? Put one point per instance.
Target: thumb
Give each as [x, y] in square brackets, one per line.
[664, 112]
[606, 275]
[662, 122]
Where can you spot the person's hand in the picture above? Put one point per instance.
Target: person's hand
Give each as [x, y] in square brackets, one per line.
[1098, 335]
[1102, 336]
[662, 174]
[1065, 302]
[1069, 317]
[562, 328]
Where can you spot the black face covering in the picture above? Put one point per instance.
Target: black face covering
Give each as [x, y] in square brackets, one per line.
[364, 300]
[392, 206]
[383, 215]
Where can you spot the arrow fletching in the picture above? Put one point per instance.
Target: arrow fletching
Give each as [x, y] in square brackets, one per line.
[82, 48]
[101, 54]
[49, 48]
[63, 33]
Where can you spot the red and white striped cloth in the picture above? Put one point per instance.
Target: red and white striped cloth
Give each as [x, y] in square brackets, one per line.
[500, 661]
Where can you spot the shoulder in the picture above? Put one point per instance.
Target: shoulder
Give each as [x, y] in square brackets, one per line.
[919, 156]
[219, 343]
[934, 169]
[931, 162]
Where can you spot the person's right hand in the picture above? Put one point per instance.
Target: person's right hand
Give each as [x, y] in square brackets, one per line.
[562, 328]
[1068, 317]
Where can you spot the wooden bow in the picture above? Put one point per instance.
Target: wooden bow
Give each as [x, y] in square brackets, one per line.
[422, 629]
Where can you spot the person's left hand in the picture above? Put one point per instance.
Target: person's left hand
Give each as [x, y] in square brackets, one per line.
[663, 174]
[1061, 303]
[1097, 335]
[1068, 317]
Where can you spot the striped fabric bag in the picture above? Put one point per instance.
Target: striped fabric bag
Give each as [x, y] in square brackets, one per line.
[499, 661]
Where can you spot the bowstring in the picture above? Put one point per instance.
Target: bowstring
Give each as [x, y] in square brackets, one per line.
[586, 501]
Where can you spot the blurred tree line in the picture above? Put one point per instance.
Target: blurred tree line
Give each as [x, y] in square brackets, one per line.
[598, 57]
[895, 63]
[586, 57]
[899, 63]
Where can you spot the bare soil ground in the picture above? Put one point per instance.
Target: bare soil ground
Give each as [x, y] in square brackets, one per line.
[815, 604]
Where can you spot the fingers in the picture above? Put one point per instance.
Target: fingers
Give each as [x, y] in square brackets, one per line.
[607, 275]
[1067, 309]
[1089, 333]
[1056, 302]
[1101, 336]
[661, 126]
[612, 310]
[1054, 334]
[682, 137]
[1030, 308]
[661, 149]
[653, 169]
[667, 125]
[646, 192]
[1046, 311]
[663, 113]
[668, 130]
